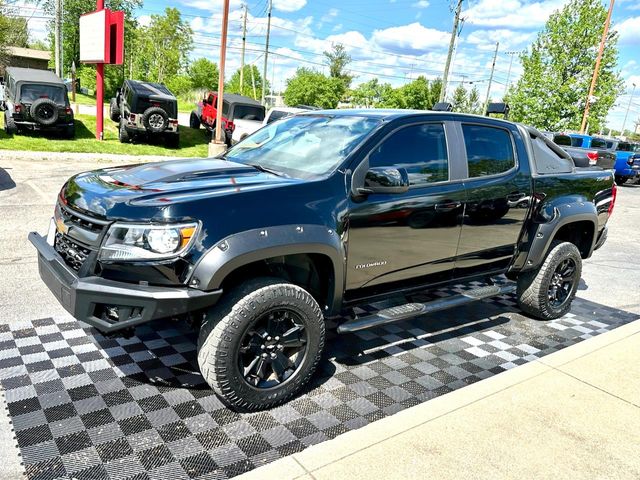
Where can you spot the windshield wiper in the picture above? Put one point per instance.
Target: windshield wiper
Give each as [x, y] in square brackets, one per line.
[267, 170]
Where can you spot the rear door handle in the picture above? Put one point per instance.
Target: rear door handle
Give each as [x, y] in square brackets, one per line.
[447, 207]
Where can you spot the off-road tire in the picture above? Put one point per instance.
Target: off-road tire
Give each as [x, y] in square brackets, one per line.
[223, 330]
[10, 126]
[533, 287]
[114, 110]
[620, 180]
[194, 120]
[123, 133]
[37, 108]
[150, 116]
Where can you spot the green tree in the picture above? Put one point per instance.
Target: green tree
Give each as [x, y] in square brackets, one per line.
[161, 50]
[204, 74]
[180, 84]
[552, 91]
[250, 77]
[370, 94]
[420, 94]
[310, 87]
[13, 31]
[337, 60]
[464, 101]
[72, 9]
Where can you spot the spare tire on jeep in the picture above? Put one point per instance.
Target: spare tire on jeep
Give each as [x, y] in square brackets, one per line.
[155, 119]
[44, 111]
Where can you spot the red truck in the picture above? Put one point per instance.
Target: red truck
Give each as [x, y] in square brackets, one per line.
[206, 115]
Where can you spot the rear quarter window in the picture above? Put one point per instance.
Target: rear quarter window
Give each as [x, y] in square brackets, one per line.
[489, 150]
[597, 143]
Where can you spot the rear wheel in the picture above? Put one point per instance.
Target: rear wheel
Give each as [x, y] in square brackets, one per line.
[9, 124]
[114, 110]
[547, 293]
[194, 120]
[620, 180]
[261, 344]
[123, 133]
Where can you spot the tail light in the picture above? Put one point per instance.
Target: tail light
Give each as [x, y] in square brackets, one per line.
[614, 194]
[593, 157]
[17, 108]
[132, 117]
[68, 111]
[230, 125]
[173, 122]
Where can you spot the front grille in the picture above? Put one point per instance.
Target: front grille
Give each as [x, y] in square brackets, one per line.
[91, 224]
[72, 252]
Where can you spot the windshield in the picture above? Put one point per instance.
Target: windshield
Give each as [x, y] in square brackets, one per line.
[31, 92]
[304, 146]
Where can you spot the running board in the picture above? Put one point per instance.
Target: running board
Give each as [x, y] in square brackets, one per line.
[412, 310]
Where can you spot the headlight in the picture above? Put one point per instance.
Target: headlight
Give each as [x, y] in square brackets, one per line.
[147, 242]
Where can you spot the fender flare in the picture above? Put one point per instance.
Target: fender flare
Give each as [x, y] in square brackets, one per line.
[240, 249]
[563, 214]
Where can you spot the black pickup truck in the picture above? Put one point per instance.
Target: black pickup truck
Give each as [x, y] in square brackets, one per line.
[310, 216]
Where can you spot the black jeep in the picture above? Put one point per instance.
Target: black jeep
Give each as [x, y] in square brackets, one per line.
[146, 108]
[36, 100]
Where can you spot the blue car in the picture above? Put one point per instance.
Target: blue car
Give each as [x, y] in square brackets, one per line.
[624, 161]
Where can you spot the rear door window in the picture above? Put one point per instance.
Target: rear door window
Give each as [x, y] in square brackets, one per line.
[489, 150]
[597, 143]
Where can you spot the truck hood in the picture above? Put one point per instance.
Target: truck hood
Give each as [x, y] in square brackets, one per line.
[111, 193]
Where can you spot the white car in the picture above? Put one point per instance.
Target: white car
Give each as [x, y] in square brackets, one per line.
[244, 128]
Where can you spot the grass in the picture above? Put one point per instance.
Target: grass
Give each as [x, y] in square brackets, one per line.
[193, 143]
[186, 106]
[82, 99]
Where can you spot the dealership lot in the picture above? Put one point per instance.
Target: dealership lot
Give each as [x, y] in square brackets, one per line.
[158, 421]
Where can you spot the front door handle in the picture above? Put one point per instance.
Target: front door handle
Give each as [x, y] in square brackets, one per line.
[447, 206]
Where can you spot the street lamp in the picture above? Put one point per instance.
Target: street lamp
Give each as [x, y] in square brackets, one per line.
[624, 122]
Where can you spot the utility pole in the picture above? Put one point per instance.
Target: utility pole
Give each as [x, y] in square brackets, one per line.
[596, 70]
[511, 54]
[57, 39]
[266, 52]
[217, 139]
[454, 34]
[493, 67]
[244, 43]
[624, 122]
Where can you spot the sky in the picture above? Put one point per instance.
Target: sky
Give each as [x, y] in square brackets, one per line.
[392, 40]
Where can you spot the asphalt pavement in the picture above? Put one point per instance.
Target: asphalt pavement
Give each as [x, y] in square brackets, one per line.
[28, 190]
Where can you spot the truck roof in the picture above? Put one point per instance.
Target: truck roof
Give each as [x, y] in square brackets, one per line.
[393, 114]
[150, 89]
[20, 74]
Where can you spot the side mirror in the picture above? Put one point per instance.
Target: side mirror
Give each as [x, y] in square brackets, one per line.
[385, 180]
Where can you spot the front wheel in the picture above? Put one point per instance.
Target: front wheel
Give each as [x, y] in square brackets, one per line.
[261, 344]
[9, 124]
[620, 180]
[547, 293]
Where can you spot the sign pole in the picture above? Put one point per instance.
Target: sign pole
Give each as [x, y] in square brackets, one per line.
[99, 89]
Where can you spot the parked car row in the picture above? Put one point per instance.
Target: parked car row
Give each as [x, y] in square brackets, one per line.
[606, 153]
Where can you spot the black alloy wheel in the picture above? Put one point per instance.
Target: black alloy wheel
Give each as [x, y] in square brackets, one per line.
[562, 282]
[273, 348]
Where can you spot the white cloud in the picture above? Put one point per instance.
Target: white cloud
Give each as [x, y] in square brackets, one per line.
[511, 13]
[629, 31]
[421, 4]
[410, 39]
[289, 5]
[509, 40]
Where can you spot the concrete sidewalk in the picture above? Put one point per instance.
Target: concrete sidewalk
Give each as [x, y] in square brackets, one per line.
[572, 414]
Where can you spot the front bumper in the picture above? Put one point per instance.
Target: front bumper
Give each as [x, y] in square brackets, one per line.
[87, 298]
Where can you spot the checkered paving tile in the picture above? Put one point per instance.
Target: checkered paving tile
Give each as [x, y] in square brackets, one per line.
[84, 406]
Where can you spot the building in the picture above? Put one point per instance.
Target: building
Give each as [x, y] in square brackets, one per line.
[27, 58]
